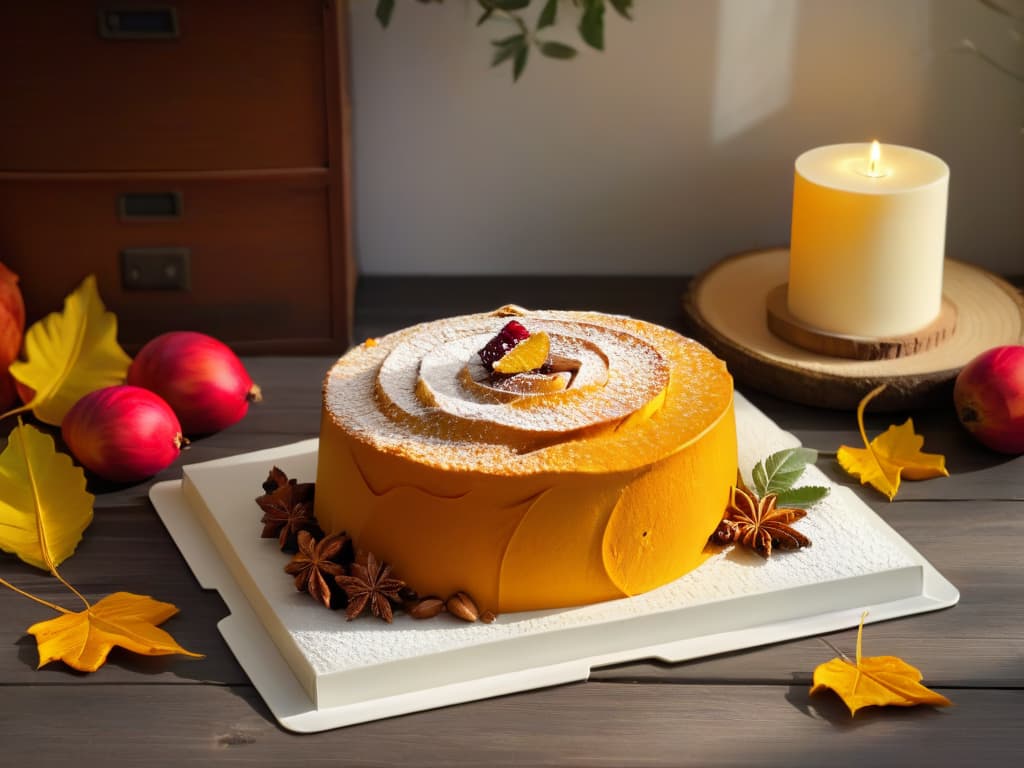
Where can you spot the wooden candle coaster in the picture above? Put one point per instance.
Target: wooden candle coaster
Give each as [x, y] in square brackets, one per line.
[726, 307]
[787, 326]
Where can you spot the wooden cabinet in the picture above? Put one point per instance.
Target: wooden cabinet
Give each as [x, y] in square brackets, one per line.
[213, 130]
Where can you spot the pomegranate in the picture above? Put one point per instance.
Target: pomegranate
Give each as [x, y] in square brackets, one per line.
[12, 328]
[123, 433]
[200, 378]
[508, 337]
[25, 392]
[989, 397]
[8, 394]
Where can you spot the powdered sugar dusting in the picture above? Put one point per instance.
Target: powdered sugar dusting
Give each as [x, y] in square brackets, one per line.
[420, 392]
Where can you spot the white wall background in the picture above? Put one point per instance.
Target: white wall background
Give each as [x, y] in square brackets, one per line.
[675, 146]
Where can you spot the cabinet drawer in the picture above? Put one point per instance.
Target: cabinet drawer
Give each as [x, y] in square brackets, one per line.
[162, 85]
[260, 274]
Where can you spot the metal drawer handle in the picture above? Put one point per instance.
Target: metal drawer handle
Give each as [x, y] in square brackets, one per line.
[144, 206]
[138, 23]
[156, 269]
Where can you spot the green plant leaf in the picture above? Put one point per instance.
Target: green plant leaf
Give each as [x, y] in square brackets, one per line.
[782, 469]
[510, 41]
[622, 7]
[519, 64]
[502, 55]
[548, 14]
[802, 497]
[557, 50]
[384, 10]
[592, 24]
[509, 5]
[507, 48]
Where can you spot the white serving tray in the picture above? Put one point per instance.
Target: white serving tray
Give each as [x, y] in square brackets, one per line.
[316, 671]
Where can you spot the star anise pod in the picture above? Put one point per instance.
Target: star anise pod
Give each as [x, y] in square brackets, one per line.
[316, 565]
[370, 583]
[275, 479]
[758, 524]
[287, 510]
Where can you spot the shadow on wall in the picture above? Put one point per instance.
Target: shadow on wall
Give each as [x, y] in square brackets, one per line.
[796, 75]
[975, 115]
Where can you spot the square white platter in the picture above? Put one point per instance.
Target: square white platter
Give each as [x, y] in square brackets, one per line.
[317, 671]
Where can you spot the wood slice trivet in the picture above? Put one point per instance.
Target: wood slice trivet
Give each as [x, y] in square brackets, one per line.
[726, 306]
[784, 324]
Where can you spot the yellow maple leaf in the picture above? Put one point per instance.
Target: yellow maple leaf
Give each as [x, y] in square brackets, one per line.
[901, 445]
[874, 681]
[44, 507]
[82, 640]
[69, 354]
[891, 455]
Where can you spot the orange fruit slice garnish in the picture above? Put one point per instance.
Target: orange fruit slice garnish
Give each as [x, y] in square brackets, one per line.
[527, 355]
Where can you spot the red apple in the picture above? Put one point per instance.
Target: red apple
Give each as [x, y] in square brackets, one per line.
[989, 397]
[25, 392]
[12, 328]
[12, 316]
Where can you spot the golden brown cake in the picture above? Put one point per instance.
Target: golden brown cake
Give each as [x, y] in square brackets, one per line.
[535, 490]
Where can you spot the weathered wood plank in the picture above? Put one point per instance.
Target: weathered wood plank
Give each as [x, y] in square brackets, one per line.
[735, 709]
[128, 548]
[585, 724]
[977, 642]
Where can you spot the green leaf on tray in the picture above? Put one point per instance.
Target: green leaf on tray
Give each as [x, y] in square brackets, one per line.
[782, 469]
[802, 497]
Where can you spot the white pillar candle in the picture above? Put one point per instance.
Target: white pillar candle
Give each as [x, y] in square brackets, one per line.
[868, 239]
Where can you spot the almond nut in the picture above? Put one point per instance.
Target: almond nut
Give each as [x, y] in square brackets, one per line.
[427, 608]
[460, 604]
[487, 617]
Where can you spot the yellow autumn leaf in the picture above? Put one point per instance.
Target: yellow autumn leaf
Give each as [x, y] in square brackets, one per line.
[70, 354]
[901, 445]
[874, 681]
[892, 455]
[44, 507]
[82, 640]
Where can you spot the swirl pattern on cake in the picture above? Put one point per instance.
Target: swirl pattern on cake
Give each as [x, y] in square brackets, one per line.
[538, 490]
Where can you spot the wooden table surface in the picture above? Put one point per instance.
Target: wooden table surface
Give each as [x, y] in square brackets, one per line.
[742, 708]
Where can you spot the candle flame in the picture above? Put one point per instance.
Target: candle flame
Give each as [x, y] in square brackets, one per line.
[875, 158]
